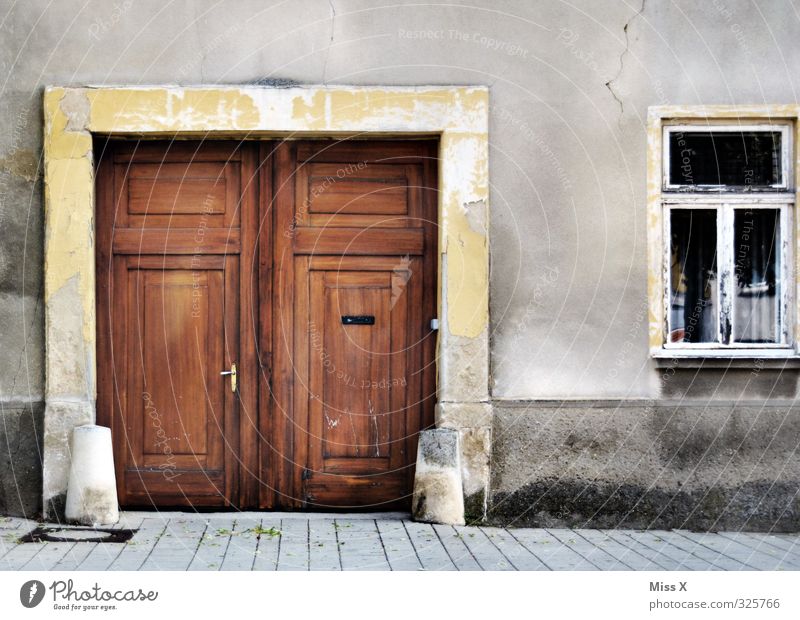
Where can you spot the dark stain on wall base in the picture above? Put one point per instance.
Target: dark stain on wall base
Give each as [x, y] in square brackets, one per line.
[754, 506]
[57, 508]
[21, 432]
[475, 507]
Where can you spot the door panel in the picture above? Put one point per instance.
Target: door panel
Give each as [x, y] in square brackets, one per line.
[170, 284]
[175, 413]
[356, 278]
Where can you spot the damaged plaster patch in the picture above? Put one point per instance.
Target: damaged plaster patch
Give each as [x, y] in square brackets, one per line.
[476, 216]
[75, 106]
[22, 163]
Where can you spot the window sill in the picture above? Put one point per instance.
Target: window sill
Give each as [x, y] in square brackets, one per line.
[730, 358]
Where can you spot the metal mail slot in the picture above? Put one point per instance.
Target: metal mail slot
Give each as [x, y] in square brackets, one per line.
[358, 319]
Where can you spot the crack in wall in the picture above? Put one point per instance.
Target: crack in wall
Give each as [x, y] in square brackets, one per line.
[609, 84]
[330, 42]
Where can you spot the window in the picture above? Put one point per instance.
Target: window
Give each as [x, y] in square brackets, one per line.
[726, 205]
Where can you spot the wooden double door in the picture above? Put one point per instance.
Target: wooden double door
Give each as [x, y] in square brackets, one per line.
[264, 320]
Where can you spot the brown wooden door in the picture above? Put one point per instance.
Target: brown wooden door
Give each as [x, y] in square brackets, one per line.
[171, 277]
[312, 266]
[355, 271]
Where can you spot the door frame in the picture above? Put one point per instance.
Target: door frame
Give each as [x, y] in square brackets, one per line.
[457, 115]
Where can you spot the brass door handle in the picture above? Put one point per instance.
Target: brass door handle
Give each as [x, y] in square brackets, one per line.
[232, 373]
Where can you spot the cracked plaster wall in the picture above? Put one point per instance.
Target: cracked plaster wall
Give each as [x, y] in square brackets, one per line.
[570, 85]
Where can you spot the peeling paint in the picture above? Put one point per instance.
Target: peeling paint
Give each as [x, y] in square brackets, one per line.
[171, 110]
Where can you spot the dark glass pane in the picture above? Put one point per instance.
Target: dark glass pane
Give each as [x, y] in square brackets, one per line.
[756, 267]
[738, 158]
[694, 297]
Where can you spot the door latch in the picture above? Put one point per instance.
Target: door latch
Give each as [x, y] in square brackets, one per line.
[232, 374]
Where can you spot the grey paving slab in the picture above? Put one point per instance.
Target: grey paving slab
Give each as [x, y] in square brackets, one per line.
[74, 558]
[397, 545]
[21, 554]
[139, 548]
[486, 554]
[430, 552]
[8, 540]
[177, 546]
[293, 551]
[716, 557]
[590, 552]
[738, 551]
[625, 554]
[785, 558]
[360, 545]
[517, 555]
[241, 551]
[303, 541]
[553, 554]
[659, 542]
[213, 545]
[268, 544]
[790, 546]
[458, 551]
[10, 523]
[657, 559]
[90, 556]
[323, 545]
[49, 556]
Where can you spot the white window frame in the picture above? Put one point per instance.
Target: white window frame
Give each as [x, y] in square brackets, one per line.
[663, 197]
[711, 125]
[726, 264]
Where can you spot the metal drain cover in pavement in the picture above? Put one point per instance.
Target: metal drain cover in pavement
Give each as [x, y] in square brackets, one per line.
[77, 534]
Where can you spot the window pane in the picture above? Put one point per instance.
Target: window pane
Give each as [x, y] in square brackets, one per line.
[756, 267]
[694, 298]
[738, 158]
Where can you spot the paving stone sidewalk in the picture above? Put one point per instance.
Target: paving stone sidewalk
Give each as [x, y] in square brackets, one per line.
[281, 541]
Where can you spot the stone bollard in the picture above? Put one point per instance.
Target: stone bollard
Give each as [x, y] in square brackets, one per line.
[438, 494]
[92, 488]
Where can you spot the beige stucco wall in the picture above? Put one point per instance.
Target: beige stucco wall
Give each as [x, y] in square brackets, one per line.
[570, 85]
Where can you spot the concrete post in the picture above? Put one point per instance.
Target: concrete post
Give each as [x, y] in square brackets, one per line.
[92, 487]
[438, 492]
